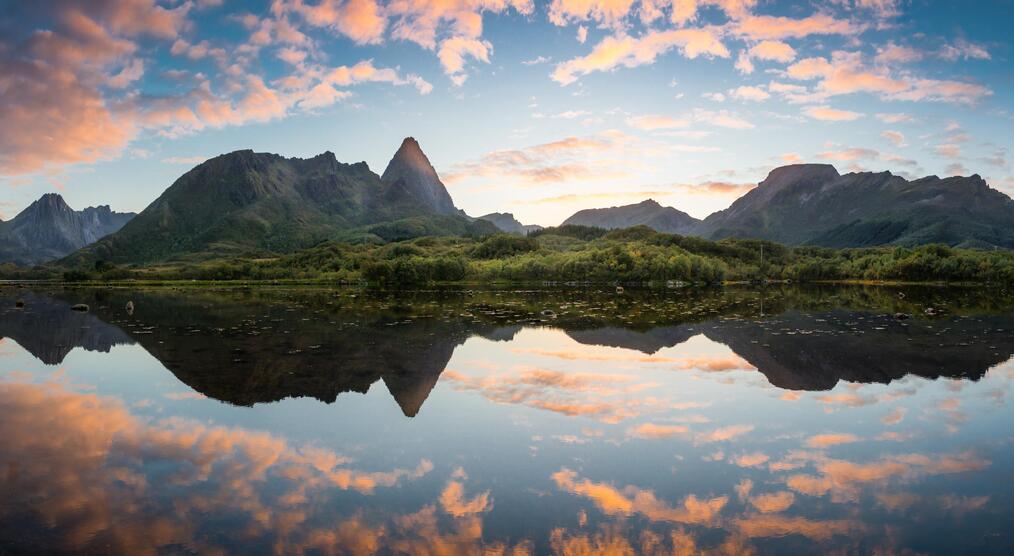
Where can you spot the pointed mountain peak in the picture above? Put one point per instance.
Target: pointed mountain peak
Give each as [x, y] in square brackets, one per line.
[649, 203]
[412, 168]
[409, 157]
[48, 204]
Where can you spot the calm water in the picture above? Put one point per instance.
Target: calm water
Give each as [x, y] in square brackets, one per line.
[342, 421]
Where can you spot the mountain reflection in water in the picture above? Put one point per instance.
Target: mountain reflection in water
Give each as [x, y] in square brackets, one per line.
[868, 431]
[247, 348]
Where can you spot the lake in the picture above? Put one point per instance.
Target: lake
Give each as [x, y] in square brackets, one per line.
[782, 419]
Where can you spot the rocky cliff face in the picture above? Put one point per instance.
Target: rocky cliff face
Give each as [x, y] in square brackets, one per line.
[49, 229]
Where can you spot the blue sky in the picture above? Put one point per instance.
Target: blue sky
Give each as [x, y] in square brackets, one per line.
[539, 109]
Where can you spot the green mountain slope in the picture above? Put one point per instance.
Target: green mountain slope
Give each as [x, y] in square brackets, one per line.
[245, 202]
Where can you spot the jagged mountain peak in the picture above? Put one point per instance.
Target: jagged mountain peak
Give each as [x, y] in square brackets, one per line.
[49, 203]
[49, 229]
[411, 168]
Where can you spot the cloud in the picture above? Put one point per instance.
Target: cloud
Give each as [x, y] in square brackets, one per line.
[845, 73]
[716, 188]
[828, 114]
[723, 434]
[632, 500]
[605, 156]
[825, 440]
[894, 118]
[774, 502]
[773, 525]
[621, 50]
[896, 137]
[609, 13]
[52, 105]
[963, 50]
[948, 150]
[592, 395]
[360, 20]
[895, 54]
[747, 92]
[452, 55]
[656, 122]
[721, 118]
[894, 416]
[755, 459]
[848, 155]
[453, 28]
[141, 484]
[775, 51]
[453, 500]
[842, 479]
[654, 431]
[68, 87]
[766, 27]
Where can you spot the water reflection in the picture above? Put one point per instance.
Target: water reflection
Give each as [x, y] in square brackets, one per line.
[583, 423]
[252, 347]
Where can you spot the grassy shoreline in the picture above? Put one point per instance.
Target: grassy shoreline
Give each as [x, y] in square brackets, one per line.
[570, 255]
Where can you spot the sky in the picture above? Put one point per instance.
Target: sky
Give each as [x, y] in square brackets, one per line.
[530, 107]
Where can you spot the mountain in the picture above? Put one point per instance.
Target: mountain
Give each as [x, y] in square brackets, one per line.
[410, 171]
[506, 222]
[49, 229]
[245, 202]
[813, 204]
[647, 213]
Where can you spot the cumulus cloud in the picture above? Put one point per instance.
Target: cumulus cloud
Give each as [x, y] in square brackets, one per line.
[776, 51]
[845, 73]
[67, 88]
[828, 114]
[747, 92]
[621, 50]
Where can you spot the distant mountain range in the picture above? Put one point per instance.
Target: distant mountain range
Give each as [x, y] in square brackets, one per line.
[646, 213]
[248, 203]
[49, 229]
[812, 204]
[506, 222]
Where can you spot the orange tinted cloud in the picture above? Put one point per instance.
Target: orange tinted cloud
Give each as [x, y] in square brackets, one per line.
[90, 460]
[652, 430]
[773, 502]
[632, 500]
[773, 525]
[594, 395]
[750, 460]
[621, 50]
[825, 440]
[453, 500]
[724, 433]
